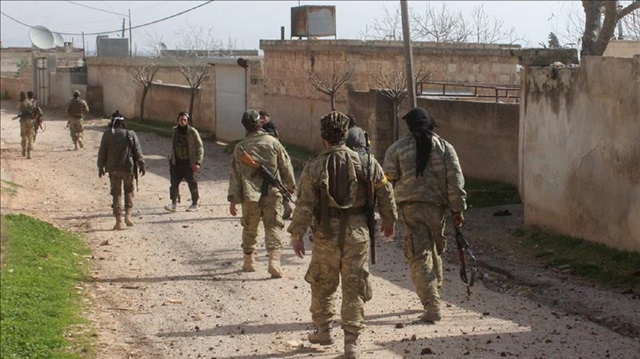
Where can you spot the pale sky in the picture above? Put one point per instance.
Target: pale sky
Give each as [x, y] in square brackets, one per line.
[246, 22]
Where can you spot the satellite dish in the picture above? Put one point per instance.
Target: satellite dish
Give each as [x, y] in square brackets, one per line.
[41, 37]
[58, 41]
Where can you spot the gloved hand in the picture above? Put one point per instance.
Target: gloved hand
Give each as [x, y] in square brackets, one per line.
[101, 172]
[141, 168]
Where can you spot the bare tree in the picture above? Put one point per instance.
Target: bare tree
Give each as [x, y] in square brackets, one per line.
[155, 44]
[330, 83]
[144, 74]
[387, 27]
[630, 26]
[194, 45]
[600, 20]
[195, 76]
[485, 29]
[440, 25]
[393, 85]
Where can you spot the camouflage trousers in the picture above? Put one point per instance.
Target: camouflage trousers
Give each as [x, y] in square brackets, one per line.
[118, 180]
[328, 264]
[423, 244]
[269, 209]
[76, 129]
[26, 134]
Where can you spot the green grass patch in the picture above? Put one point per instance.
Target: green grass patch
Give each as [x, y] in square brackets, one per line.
[9, 187]
[40, 307]
[481, 193]
[594, 261]
[160, 128]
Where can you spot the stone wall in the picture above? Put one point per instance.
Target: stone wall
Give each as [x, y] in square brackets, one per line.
[288, 62]
[580, 153]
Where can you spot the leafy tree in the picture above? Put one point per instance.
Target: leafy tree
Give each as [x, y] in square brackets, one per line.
[554, 43]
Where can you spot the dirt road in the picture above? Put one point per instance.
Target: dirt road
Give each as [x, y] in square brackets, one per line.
[171, 286]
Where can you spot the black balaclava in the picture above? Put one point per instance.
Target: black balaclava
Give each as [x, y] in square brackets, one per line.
[421, 125]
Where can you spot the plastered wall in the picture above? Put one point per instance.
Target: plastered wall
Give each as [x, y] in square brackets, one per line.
[580, 151]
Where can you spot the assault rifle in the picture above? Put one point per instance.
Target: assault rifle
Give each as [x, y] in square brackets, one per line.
[38, 123]
[269, 177]
[463, 253]
[370, 202]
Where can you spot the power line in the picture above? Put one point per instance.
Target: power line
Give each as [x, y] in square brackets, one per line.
[114, 31]
[95, 8]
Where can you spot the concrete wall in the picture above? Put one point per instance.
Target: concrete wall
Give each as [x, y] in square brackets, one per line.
[164, 100]
[11, 57]
[485, 135]
[13, 85]
[622, 48]
[580, 151]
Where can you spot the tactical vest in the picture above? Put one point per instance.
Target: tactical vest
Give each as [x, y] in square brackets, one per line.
[338, 191]
[26, 109]
[76, 107]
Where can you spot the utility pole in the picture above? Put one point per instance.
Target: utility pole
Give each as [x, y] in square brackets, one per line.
[408, 54]
[130, 36]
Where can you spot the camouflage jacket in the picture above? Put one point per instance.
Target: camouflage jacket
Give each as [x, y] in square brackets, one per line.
[245, 183]
[193, 149]
[26, 109]
[314, 180]
[77, 107]
[118, 150]
[442, 183]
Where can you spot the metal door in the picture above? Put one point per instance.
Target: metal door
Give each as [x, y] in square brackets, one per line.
[230, 101]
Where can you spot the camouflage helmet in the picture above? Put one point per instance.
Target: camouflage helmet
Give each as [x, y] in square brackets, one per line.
[334, 127]
[76, 93]
[251, 119]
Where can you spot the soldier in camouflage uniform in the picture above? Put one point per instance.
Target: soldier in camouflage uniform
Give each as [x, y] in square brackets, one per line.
[331, 201]
[77, 109]
[37, 115]
[269, 127]
[258, 198]
[428, 184]
[120, 155]
[26, 111]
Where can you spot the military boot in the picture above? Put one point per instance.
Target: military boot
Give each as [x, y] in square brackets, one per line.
[274, 264]
[119, 225]
[29, 154]
[127, 218]
[249, 263]
[351, 346]
[24, 153]
[75, 145]
[322, 335]
[80, 143]
[431, 315]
